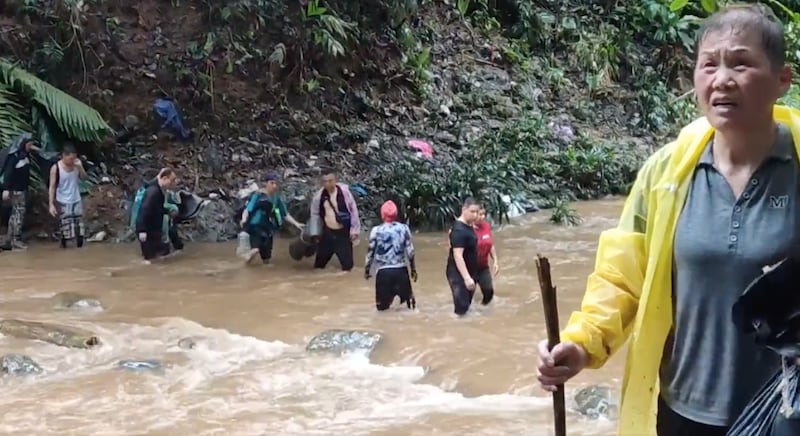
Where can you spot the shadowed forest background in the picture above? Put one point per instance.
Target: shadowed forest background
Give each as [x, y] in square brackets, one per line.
[544, 102]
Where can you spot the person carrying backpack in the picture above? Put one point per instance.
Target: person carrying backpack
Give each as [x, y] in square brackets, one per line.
[264, 215]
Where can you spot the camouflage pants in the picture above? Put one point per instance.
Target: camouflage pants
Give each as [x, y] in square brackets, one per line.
[15, 205]
[70, 220]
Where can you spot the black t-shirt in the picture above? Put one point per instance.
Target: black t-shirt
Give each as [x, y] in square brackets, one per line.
[463, 236]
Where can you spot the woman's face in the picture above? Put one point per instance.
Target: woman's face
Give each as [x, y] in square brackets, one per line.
[481, 215]
[735, 82]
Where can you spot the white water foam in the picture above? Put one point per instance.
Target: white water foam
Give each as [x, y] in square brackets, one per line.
[231, 383]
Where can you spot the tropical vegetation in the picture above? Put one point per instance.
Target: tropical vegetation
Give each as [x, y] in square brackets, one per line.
[619, 71]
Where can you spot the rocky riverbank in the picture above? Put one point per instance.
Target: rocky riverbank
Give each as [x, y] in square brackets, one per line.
[505, 122]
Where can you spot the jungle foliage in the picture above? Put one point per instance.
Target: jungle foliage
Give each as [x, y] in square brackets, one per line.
[594, 59]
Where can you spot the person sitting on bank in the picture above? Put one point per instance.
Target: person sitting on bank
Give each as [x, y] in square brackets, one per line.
[65, 196]
[389, 248]
[150, 218]
[335, 224]
[15, 179]
[264, 215]
[705, 214]
[462, 261]
[483, 231]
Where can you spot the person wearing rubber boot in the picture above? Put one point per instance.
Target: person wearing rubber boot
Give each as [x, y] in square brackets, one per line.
[335, 223]
[390, 247]
[65, 196]
[150, 218]
[15, 171]
[263, 216]
[707, 211]
[462, 260]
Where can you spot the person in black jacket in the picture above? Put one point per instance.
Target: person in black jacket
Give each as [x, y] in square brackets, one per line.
[15, 171]
[151, 215]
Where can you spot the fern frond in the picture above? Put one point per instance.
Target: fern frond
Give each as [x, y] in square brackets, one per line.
[336, 26]
[12, 117]
[73, 117]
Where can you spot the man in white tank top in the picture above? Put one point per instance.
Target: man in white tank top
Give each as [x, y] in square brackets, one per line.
[65, 196]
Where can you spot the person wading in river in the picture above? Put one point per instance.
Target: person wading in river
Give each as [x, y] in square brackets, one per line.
[334, 223]
[150, 218]
[705, 214]
[65, 196]
[15, 179]
[486, 250]
[263, 216]
[462, 260]
[389, 247]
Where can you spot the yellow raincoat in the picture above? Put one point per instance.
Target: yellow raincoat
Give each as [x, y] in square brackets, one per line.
[629, 292]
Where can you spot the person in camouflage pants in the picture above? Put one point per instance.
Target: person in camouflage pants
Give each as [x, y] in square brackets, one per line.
[14, 183]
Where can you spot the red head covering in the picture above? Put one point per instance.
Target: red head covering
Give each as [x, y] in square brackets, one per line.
[389, 211]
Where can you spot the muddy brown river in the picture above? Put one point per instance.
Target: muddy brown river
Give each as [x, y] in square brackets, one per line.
[433, 374]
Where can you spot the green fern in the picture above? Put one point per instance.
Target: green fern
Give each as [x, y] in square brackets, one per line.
[74, 118]
[12, 116]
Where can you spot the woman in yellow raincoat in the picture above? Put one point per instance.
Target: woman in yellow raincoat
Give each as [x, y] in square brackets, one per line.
[739, 75]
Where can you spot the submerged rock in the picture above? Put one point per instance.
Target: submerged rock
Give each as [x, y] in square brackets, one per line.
[18, 364]
[597, 402]
[139, 365]
[345, 341]
[187, 343]
[71, 300]
[54, 334]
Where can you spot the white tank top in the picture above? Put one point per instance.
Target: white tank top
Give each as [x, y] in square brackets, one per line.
[68, 189]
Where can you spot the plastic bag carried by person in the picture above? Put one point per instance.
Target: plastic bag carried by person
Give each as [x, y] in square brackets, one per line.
[775, 410]
[769, 310]
[244, 244]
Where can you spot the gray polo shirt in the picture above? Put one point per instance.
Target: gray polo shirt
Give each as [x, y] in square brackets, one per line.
[710, 371]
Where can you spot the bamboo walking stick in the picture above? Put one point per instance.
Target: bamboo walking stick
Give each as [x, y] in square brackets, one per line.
[551, 323]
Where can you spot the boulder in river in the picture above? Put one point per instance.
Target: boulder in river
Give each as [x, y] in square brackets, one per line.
[187, 343]
[345, 341]
[54, 334]
[139, 365]
[597, 402]
[18, 364]
[72, 300]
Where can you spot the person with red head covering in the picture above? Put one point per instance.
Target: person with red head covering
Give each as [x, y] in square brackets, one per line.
[389, 249]
[485, 251]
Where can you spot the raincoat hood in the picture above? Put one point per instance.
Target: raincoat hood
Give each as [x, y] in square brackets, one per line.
[14, 147]
[18, 142]
[629, 293]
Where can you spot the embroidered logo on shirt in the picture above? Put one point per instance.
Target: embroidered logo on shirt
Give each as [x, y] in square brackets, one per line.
[778, 201]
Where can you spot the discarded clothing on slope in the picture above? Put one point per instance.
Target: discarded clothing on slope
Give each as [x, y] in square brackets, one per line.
[769, 309]
[168, 112]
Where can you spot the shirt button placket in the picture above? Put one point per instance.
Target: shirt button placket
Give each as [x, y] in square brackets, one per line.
[736, 224]
[736, 218]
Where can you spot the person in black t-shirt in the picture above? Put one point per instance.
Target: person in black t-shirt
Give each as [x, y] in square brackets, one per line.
[462, 262]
